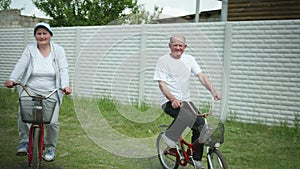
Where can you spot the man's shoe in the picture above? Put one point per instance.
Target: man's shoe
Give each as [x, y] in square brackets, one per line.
[198, 164]
[22, 149]
[49, 155]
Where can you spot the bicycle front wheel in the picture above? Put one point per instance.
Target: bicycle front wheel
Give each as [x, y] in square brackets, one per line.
[166, 155]
[216, 160]
[35, 163]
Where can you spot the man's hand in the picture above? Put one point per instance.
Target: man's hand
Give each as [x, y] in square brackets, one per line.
[217, 96]
[176, 104]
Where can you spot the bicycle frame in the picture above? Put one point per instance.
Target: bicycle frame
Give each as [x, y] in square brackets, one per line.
[41, 142]
[183, 152]
[35, 152]
[37, 112]
[183, 156]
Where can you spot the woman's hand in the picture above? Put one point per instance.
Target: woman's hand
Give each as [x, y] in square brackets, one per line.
[9, 83]
[67, 90]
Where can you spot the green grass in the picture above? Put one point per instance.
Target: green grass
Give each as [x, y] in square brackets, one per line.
[246, 145]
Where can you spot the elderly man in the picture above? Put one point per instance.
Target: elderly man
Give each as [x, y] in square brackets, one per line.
[172, 72]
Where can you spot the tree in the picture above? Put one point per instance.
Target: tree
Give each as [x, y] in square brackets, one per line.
[139, 16]
[4, 4]
[85, 12]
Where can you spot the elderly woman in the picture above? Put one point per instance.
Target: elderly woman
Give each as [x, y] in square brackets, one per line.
[42, 67]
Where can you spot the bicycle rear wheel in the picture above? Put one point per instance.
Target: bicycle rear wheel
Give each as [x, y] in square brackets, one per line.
[35, 163]
[216, 160]
[167, 156]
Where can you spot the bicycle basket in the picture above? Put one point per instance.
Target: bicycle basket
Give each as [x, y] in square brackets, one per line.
[217, 136]
[32, 112]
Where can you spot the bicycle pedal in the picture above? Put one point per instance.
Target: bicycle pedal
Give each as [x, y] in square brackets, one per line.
[163, 126]
[21, 154]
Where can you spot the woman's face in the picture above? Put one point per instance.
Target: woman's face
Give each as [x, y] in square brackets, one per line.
[42, 36]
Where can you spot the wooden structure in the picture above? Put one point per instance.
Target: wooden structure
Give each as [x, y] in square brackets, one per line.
[246, 10]
[205, 16]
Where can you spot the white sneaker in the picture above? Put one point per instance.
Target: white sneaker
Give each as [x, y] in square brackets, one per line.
[169, 142]
[49, 155]
[198, 164]
[22, 149]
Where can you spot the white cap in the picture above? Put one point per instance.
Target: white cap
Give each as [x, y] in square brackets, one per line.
[44, 25]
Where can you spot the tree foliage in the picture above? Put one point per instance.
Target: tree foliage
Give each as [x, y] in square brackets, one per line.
[140, 16]
[87, 12]
[4, 4]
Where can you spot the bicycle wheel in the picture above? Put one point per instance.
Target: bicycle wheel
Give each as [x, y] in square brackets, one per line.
[166, 156]
[35, 163]
[216, 160]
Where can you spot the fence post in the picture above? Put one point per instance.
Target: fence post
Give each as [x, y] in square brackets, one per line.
[227, 64]
[142, 65]
[25, 37]
[77, 42]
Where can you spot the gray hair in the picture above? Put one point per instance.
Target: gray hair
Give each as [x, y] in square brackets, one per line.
[177, 37]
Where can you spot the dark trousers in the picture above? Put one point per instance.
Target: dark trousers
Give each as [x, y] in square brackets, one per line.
[185, 117]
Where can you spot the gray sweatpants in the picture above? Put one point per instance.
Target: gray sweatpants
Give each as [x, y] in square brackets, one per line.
[52, 129]
[183, 117]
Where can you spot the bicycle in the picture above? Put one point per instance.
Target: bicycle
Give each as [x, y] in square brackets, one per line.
[37, 110]
[182, 154]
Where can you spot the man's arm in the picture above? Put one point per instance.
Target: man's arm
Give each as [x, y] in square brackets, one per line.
[207, 84]
[164, 89]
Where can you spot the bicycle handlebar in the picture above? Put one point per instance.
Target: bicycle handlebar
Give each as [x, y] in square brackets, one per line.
[31, 95]
[210, 110]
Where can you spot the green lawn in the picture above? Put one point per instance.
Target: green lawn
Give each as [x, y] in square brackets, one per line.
[246, 145]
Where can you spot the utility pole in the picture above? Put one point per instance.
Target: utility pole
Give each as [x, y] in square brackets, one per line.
[224, 10]
[197, 11]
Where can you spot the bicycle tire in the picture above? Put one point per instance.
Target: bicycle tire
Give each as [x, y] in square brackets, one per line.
[167, 160]
[35, 163]
[217, 160]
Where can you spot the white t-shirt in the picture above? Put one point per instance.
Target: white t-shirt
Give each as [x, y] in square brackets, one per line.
[43, 74]
[176, 73]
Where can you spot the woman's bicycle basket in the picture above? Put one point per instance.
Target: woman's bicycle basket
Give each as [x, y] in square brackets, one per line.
[37, 110]
[217, 136]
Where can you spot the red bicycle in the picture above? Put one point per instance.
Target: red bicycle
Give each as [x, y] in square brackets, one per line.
[37, 110]
[182, 154]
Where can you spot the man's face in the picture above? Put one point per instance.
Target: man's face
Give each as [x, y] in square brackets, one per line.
[177, 47]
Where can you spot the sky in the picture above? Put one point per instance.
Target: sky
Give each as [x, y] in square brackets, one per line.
[171, 8]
